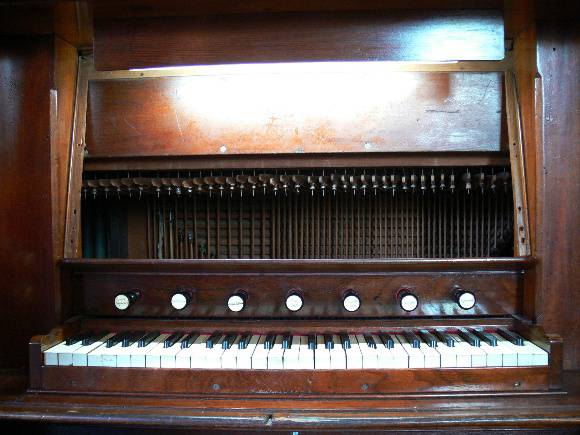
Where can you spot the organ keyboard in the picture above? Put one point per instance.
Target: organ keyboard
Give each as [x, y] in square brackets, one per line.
[401, 350]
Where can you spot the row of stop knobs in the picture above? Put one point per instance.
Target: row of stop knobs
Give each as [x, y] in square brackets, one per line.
[351, 301]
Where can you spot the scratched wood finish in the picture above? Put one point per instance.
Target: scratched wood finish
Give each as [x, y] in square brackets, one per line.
[558, 299]
[295, 113]
[496, 293]
[297, 36]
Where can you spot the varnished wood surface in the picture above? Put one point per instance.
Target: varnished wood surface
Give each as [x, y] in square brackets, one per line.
[275, 161]
[558, 254]
[363, 109]
[26, 231]
[298, 36]
[398, 412]
[496, 293]
[109, 9]
[299, 383]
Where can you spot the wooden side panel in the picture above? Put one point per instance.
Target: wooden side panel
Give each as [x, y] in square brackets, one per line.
[289, 37]
[559, 190]
[294, 111]
[26, 260]
[62, 111]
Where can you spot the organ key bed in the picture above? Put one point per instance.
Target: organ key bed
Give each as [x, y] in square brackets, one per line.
[393, 259]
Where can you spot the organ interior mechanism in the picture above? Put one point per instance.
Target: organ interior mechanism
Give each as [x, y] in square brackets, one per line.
[353, 213]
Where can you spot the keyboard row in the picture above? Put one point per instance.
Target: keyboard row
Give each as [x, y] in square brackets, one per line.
[466, 347]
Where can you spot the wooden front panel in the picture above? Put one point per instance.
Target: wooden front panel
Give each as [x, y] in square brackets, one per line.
[286, 37]
[274, 110]
[292, 382]
[497, 293]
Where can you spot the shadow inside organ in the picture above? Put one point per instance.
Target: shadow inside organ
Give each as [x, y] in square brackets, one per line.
[341, 214]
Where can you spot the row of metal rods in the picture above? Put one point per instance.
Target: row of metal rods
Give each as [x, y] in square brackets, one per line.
[341, 226]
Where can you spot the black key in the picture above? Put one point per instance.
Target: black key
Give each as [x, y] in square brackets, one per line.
[132, 337]
[387, 340]
[485, 337]
[270, 340]
[77, 337]
[229, 341]
[328, 341]
[147, 339]
[413, 339]
[345, 340]
[244, 340]
[116, 339]
[172, 339]
[370, 341]
[469, 337]
[87, 341]
[511, 336]
[213, 339]
[445, 338]
[287, 341]
[428, 338]
[312, 342]
[188, 340]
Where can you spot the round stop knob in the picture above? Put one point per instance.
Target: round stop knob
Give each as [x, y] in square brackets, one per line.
[180, 300]
[237, 302]
[294, 301]
[125, 300]
[408, 301]
[465, 299]
[351, 301]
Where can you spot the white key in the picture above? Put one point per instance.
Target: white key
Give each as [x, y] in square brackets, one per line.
[109, 356]
[369, 354]
[139, 355]
[494, 355]
[168, 354]
[260, 356]
[61, 354]
[511, 357]
[354, 358]
[321, 354]
[230, 356]
[432, 357]
[305, 356]
[213, 357]
[244, 358]
[400, 355]
[189, 356]
[539, 355]
[276, 354]
[292, 355]
[416, 357]
[337, 354]
[447, 354]
[523, 353]
[80, 356]
[385, 358]
[462, 351]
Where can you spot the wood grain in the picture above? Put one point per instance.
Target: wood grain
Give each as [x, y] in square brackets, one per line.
[559, 257]
[297, 36]
[310, 112]
[26, 251]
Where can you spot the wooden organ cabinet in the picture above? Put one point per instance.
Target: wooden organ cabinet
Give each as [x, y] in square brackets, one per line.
[301, 219]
